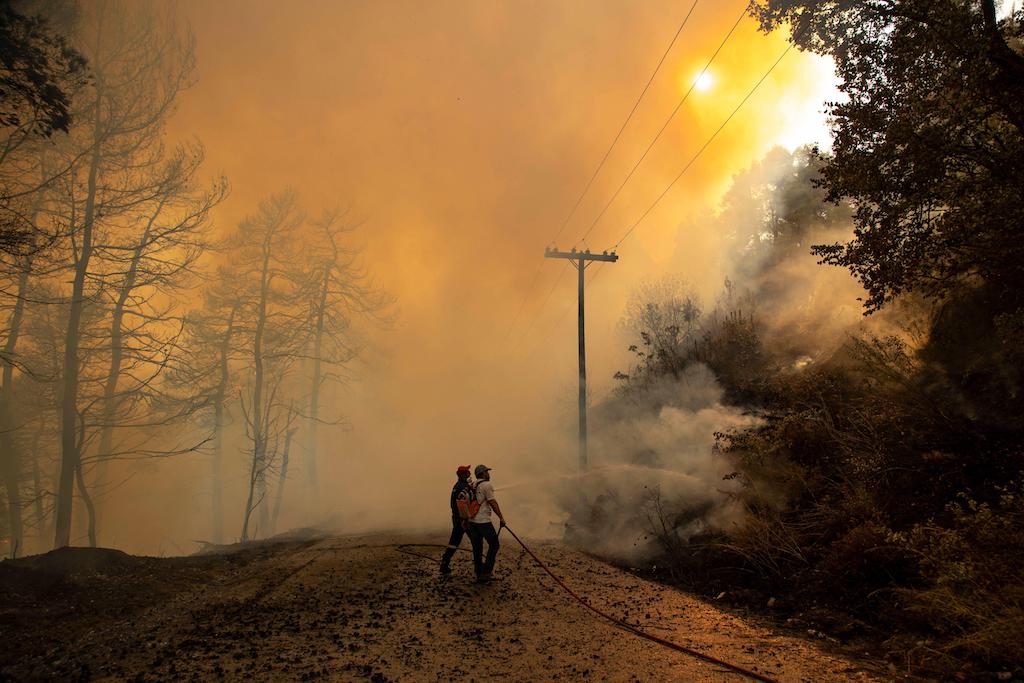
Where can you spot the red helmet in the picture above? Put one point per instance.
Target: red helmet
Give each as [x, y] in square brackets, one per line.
[463, 469]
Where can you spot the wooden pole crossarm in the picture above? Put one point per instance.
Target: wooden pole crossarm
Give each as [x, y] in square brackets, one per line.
[573, 255]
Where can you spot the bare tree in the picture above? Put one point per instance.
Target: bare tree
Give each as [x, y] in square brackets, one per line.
[265, 279]
[664, 315]
[339, 294]
[144, 326]
[207, 372]
[10, 457]
[33, 406]
[126, 201]
[283, 469]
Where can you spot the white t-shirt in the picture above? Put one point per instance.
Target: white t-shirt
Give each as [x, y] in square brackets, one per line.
[484, 493]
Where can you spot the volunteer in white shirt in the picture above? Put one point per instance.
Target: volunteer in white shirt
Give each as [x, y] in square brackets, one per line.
[480, 526]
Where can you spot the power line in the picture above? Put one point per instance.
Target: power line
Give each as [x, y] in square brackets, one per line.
[600, 165]
[665, 125]
[682, 172]
[703, 147]
[632, 171]
[625, 123]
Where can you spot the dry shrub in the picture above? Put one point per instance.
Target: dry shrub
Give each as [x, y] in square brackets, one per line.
[732, 347]
[975, 596]
[768, 544]
[866, 559]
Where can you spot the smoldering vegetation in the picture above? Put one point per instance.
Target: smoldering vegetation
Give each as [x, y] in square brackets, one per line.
[882, 493]
[662, 477]
[857, 475]
[134, 333]
[655, 457]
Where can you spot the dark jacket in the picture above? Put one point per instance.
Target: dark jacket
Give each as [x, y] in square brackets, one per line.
[459, 487]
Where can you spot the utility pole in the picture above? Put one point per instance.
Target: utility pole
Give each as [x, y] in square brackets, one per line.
[579, 260]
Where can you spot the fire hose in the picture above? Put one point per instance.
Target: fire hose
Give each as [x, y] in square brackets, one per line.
[619, 622]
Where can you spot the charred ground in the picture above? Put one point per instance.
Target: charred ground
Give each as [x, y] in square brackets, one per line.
[354, 608]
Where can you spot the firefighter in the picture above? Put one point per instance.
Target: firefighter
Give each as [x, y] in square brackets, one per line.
[462, 493]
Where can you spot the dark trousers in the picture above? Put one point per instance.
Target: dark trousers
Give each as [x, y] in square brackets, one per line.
[477, 534]
[453, 542]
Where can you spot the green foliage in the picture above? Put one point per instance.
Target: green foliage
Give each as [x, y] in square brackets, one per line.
[927, 143]
[773, 208]
[848, 485]
[38, 70]
[674, 333]
[731, 346]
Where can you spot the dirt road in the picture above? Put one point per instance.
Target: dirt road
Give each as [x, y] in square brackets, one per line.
[357, 609]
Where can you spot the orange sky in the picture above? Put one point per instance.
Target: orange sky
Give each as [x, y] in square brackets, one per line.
[462, 132]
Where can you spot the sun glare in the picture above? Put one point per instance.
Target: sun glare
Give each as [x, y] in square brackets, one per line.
[704, 82]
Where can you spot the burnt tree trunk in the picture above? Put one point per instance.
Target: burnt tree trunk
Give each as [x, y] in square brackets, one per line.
[257, 480]
[110, 398]
[281, 479]
[70, 457]
[10, 457]
[37, 483]
[314, 395]
[218, 428]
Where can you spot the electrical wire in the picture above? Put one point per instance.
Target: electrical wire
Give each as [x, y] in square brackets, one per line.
[600, 165]
[690, 163]
[703, 147]
[665, 125]
[625, 123]
[632, 171]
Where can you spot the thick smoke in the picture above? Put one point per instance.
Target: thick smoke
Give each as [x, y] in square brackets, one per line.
[417, 119]
[658, 476]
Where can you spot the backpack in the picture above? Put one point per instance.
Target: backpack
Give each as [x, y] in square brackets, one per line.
[466, 503]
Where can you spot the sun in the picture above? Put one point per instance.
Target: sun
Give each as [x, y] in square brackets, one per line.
[704, 82]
